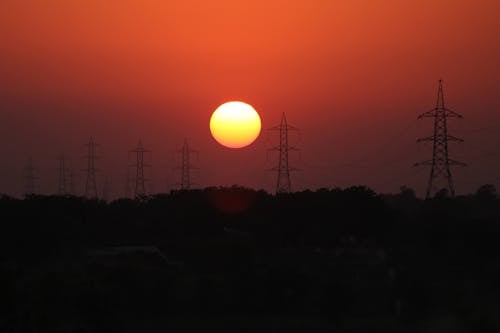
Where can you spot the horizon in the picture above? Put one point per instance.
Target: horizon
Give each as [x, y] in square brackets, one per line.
[487, 188]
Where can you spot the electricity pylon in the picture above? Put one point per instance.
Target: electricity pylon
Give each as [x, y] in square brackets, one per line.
[72, 182]
[440, 162]
[90, 184]
[140, 180]
[186, 166]
[283, 183]
[63, 186]
[30, 178]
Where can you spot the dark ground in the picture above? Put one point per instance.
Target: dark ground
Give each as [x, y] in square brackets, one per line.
[239, 260]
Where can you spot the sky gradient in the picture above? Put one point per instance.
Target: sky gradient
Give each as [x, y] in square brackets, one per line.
[352, 75]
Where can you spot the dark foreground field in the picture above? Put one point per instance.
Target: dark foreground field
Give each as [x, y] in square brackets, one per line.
[239, 260]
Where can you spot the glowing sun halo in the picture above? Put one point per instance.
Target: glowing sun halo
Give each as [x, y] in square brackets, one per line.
[235, 124]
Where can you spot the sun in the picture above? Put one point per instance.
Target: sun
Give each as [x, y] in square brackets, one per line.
[235, 124]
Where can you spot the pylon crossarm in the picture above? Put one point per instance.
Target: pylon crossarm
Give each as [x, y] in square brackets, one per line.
[275, 128]
[456, 163]
[450, 113]
[454, 138]
[431, 113]
[280, 127]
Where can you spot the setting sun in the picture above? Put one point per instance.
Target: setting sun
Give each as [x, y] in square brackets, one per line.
[235, 124]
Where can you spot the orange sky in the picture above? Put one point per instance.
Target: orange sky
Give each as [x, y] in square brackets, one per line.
[350, 74]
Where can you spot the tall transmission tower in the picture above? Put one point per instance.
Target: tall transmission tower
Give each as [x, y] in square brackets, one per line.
[90, 184]
[72, 181]
[440, 162]
[30, 178]
[283, 183]
[140, 180]
[63, 186]
[186, 166]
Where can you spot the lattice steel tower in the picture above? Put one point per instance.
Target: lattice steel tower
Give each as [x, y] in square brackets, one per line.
[440, 162]
[63, 187]
[72, 181]
[140, 180]
[186, 166]
[90, 184]
[185, 177]
[283, 184]
[30, 179]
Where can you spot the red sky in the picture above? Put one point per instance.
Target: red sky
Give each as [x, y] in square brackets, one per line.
[352, 75]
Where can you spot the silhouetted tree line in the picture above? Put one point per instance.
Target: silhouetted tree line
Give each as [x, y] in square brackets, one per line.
[234, 258]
